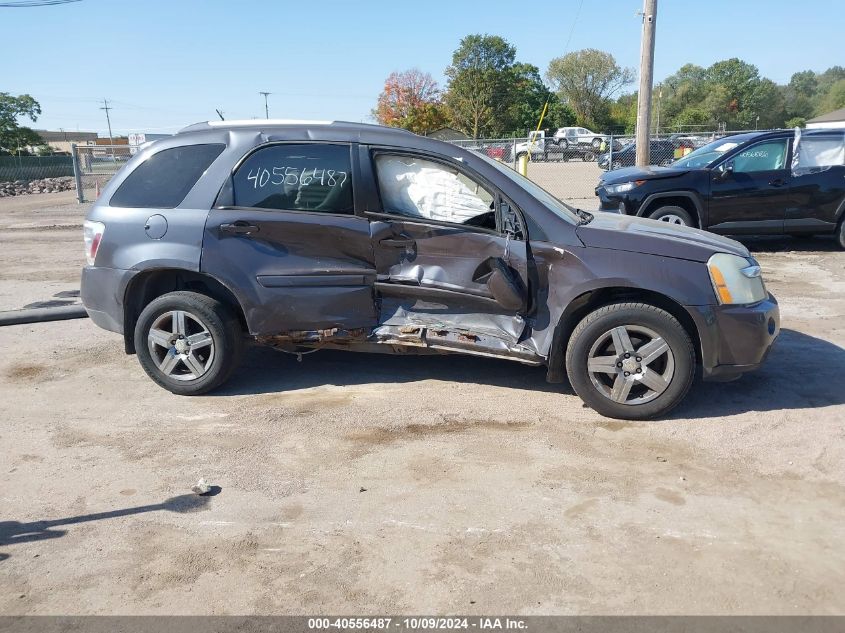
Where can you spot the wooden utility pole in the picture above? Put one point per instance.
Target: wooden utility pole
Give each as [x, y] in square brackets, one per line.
[646, 80]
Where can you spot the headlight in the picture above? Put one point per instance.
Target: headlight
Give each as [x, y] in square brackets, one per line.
[736, 280]
[623, 187]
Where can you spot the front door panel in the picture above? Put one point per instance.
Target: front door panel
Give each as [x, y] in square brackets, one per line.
[433, 276]
[754, 194]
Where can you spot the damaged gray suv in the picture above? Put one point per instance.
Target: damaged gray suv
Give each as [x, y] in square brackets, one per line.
[305, 235]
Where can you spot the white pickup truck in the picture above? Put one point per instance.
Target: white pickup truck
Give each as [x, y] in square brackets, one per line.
[541, 148]
[575, 136]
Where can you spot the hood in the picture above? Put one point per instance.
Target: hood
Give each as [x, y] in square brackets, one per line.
[641, 235]
[652, 172]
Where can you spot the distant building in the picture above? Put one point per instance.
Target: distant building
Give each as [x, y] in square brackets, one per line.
[835, 119]
[447, 134]
[62, 140]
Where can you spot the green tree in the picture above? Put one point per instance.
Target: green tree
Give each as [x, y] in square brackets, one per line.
[528, 96]
[480, 88]
[799, 95]
[833, 99]
[12, 136]
[586, 80]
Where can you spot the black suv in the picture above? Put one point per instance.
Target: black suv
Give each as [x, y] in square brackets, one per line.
[755, 183]
[662, 153]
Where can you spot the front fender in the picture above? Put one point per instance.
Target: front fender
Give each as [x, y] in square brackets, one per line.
[564, 275]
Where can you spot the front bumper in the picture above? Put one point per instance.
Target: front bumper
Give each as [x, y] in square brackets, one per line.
[610, 203]
[735, 339]
[102, 291]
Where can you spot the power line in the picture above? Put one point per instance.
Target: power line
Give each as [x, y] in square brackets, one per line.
[572, 30]
[34, 3]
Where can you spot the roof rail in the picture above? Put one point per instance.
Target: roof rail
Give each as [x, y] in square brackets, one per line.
[204, 125]
[259, 123]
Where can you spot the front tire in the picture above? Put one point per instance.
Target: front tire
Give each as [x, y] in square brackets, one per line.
[596, 143]
[631, 361]
[188, 343]
[672, 215]
[841, 234]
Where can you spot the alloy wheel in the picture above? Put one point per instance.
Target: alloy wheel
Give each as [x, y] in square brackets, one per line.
[671, 218]
[631, 364]
[181, 345]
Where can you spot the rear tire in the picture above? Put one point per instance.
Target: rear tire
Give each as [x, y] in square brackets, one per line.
[654, 384]
[596, 143]
[588, 157]
[673, 215]
[188, 343]
[563, 143]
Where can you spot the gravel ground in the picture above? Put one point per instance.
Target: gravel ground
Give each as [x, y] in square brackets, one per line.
[355, 483]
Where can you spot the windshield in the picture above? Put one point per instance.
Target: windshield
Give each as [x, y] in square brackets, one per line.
[704, 156]
[560, 209]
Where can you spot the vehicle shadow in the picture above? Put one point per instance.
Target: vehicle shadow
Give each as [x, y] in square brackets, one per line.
[15, 532]
[793, 377]
[796, 375]
[266, 370]
[785, 243]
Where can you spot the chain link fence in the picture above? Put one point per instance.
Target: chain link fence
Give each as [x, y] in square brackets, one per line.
[94, 165]
[569, 168]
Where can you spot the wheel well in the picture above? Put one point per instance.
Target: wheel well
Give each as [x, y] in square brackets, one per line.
[149, 285]
[675, 201]
[594, 299]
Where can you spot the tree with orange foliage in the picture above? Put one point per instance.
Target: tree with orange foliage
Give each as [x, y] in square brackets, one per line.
[411, 100]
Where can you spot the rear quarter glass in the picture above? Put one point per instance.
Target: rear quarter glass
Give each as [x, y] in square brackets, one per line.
[165, 178]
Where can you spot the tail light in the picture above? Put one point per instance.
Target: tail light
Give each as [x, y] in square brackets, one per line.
[92, 233]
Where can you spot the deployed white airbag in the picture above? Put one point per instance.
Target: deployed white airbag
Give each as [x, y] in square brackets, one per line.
[421, 188]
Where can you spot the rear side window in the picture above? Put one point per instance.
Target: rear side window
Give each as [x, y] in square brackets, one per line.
[165, 178]
[296, 177]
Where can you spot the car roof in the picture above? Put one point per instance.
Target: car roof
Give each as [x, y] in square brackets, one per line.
[282, 130]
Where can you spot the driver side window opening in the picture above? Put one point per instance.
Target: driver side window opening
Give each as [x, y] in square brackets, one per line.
[418, 188]
[766, 156]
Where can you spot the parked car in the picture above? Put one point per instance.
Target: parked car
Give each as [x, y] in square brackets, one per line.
[742, 184]
[574, 136]
[660, 152]
[359, 237]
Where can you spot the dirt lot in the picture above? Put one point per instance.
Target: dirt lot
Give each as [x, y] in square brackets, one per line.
[376, 484]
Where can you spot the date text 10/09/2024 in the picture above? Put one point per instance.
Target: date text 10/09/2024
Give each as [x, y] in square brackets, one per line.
[418, 623]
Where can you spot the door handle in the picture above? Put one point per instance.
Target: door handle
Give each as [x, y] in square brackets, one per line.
[398, 242]
[777, 182]
[239, 228]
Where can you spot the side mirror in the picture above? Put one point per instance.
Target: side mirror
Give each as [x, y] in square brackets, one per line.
[726, 170]
[503, 282]
[510, 222]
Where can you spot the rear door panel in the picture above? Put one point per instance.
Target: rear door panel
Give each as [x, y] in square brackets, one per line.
[300, 271]
[286, 242]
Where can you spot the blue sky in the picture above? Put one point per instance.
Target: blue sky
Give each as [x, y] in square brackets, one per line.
[164, 64]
